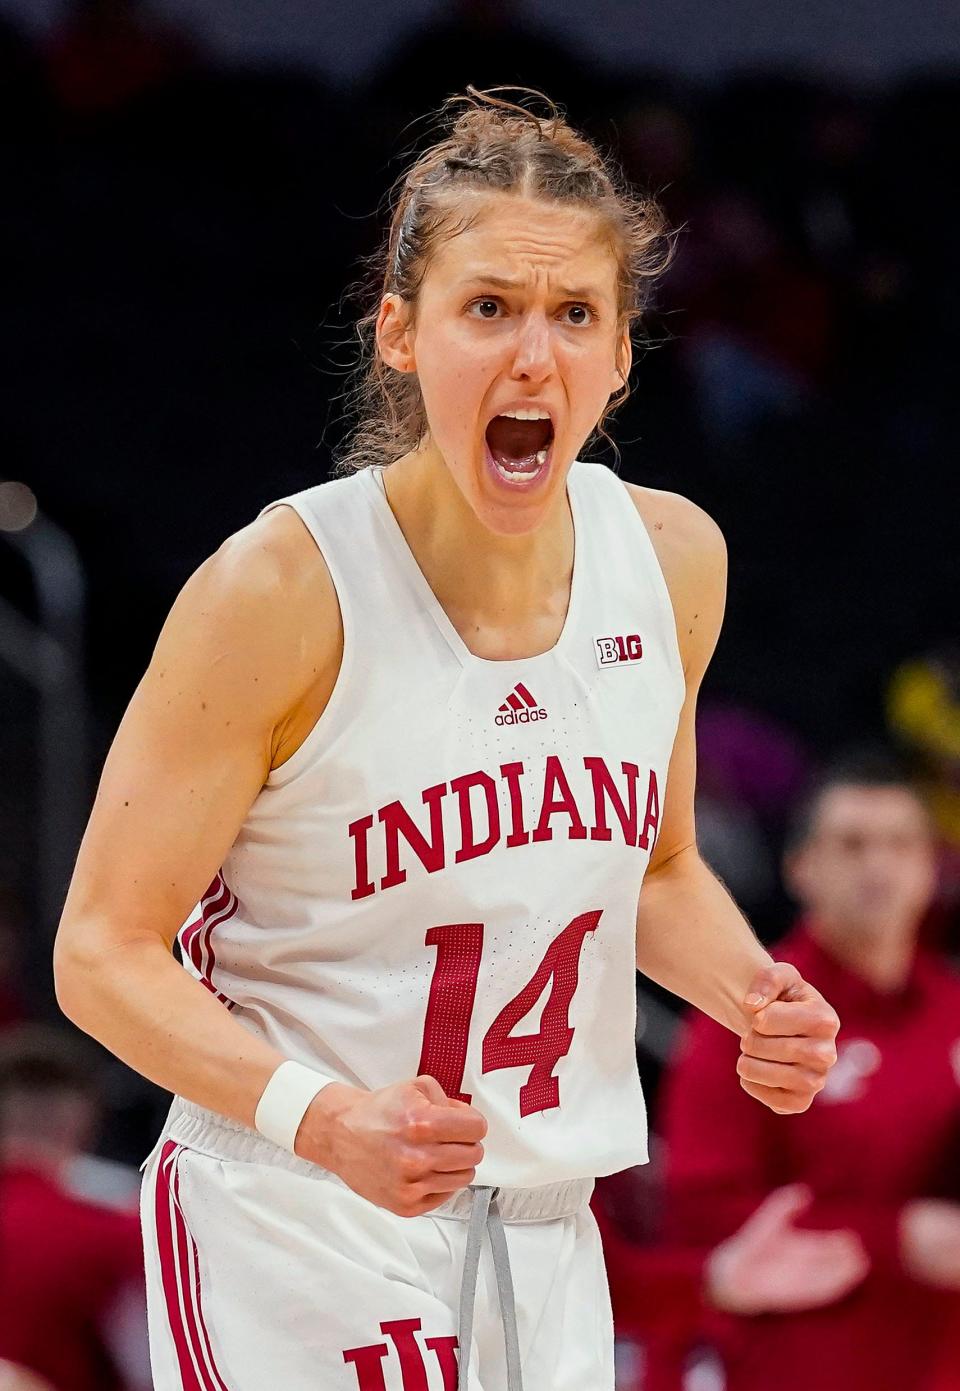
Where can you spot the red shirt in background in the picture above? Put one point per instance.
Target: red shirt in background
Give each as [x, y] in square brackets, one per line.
[885, 1130]
[63, 1263]
[652, 1288]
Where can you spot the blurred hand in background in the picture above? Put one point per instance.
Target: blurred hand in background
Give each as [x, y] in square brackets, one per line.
[770, 1265]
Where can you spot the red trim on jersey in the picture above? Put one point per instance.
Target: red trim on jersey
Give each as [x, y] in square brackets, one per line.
[181, 1280]
[217, 905]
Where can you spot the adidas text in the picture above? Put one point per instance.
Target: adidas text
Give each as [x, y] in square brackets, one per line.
[521, 716]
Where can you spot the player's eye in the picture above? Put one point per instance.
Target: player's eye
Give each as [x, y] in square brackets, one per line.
[484, 304]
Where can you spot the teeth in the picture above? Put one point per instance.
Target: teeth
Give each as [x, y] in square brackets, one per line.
[515, 473]
[533, 414]
[521, 475]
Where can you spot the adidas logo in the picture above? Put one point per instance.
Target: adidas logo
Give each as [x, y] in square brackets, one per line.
[520, 707]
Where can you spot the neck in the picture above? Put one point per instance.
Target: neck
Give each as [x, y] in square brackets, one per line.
[884, 961]
[489, 584]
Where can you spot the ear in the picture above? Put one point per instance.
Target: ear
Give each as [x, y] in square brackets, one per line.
[394, 337]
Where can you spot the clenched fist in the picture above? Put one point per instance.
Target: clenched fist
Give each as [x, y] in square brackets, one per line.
[788, 1046]
[405, 1147]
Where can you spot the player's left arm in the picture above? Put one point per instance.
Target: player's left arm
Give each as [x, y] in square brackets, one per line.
[691, 936]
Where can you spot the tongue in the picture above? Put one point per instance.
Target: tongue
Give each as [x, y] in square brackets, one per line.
[514, 443]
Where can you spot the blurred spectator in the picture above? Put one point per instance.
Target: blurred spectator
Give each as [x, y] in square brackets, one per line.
[108, 51]
[72, 1302]
[661, 1294]
[878, 1149]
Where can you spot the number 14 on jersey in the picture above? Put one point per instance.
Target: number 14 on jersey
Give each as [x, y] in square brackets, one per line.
[450, 1009]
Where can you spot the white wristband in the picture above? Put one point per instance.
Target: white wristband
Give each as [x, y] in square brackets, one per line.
[285, 1099]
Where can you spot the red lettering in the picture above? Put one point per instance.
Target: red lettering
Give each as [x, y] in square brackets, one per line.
[556, 779]
[450, 1007]
[397, 821]
[469, 848]
[543, 1050]
[519, 835]
[453, 988]
[603, 788]
[368, 1363]
[478, 837]
[358, 830]
[445, 1349]
[413, 1369]
[651, 817]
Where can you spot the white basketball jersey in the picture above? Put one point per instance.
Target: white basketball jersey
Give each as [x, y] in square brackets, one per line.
[444, 877]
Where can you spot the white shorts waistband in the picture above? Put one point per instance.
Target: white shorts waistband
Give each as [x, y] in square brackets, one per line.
[211, 1133]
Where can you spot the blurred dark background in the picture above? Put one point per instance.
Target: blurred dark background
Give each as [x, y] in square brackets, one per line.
[187, 192]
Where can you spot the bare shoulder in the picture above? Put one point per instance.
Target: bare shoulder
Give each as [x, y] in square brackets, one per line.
[260, 619]
[248, 642]
[270, 577]
[291, 577]
[681, 531]
[273, 557]
[692, 552]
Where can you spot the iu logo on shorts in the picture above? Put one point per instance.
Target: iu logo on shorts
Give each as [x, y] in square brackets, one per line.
[405, 1356]
[617, 650]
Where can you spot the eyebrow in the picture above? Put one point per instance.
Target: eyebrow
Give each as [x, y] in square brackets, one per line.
[505, 283]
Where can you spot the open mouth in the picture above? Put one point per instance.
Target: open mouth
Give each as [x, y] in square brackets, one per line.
[519, 448]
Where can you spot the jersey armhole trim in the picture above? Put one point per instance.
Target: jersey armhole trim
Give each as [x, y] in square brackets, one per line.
[659, 581]
[327, 723]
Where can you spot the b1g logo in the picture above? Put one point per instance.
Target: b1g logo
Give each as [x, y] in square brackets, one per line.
[614, 651]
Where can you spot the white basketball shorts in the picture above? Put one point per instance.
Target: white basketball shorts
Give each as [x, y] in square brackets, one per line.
[267, 1273]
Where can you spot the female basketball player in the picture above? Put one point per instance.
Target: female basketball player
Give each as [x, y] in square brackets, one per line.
[406, 749]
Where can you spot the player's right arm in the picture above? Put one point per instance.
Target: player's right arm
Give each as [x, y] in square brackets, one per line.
[253, 632]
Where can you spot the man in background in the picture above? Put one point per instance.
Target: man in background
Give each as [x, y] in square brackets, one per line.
[878, 1148]
[72, 1301]
[661, 1295]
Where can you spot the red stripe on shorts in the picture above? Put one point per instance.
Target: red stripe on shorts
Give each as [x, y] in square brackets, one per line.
[181, 1281]
[186, 1235]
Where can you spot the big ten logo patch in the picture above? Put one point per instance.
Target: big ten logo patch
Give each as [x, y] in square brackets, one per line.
[401, 1364]
[857, 1059]
[616, 651]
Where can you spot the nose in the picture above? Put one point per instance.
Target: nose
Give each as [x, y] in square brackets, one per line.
[533, 349]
